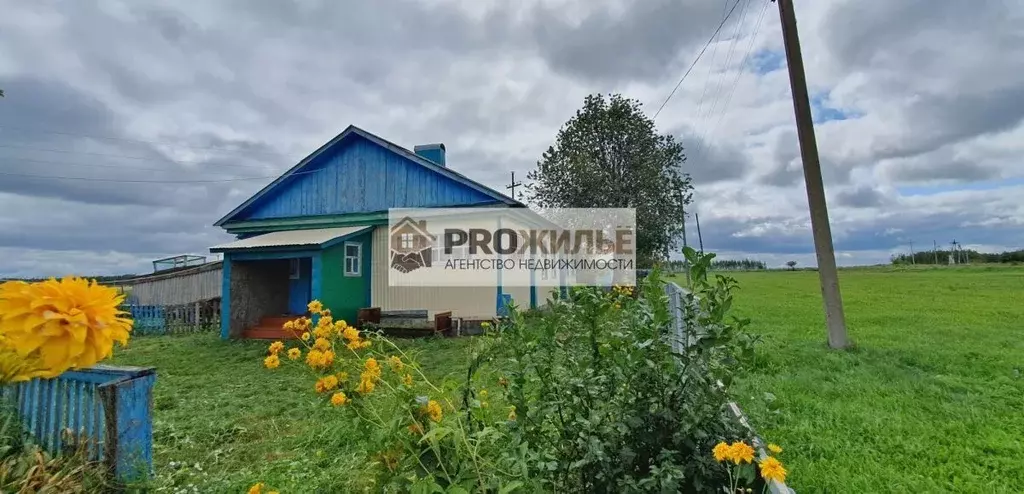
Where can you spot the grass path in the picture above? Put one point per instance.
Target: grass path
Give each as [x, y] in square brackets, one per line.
[930, 400]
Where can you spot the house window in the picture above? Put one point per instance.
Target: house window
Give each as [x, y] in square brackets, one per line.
[293, 269]
[353, 258]
[407, 241]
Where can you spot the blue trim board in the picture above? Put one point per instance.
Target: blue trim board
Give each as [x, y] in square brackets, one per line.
[318, 273]
[225, 299]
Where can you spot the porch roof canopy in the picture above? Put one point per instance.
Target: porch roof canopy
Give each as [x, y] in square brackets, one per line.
[292, 239]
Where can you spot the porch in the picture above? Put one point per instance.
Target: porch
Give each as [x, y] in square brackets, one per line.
[271, 278]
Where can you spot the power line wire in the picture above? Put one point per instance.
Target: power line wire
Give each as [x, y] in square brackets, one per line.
[108, 155]
[711, 66]
[128, 181]
[743, 63]
[683, 78]
[140, 141]
[718, 88]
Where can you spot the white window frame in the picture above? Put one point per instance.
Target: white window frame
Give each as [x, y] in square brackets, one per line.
[358, 259]
[407, 241]
[294, 269]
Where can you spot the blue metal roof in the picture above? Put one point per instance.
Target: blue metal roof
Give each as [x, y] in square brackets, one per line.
[349, 186]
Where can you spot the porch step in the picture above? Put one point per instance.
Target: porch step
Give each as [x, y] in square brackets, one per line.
[268, 333]
[276, 321]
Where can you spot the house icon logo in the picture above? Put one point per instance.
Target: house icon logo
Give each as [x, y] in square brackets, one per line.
[411, 245]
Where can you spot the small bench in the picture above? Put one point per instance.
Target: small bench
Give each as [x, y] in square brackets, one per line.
[406, 323]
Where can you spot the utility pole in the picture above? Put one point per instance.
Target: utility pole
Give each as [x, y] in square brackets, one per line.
[935, 250]
[700, 239]
[513, 185]
[912, 260]
[835, 320]
[686, 263]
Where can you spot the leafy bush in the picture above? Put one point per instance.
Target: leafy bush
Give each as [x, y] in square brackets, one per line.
[26, 468]
[591, 396]
[603, 402]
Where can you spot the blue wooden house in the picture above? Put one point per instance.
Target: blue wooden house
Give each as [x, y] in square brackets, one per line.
[320, 231]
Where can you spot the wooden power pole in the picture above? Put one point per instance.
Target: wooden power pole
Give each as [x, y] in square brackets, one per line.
[827, 273]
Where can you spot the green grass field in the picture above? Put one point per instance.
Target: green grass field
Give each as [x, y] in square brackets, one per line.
[930, 400]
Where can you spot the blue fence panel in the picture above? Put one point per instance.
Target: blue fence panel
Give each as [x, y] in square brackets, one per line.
[147, 319]
[105, 411]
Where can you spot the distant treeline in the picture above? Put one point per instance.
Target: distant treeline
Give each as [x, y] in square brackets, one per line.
[726, 265]
[960, 256]
[99, 279]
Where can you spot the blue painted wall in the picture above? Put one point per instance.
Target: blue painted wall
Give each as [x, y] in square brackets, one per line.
[300, 291]
[359, 176]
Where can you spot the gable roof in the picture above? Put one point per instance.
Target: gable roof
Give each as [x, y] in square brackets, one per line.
[352, 131]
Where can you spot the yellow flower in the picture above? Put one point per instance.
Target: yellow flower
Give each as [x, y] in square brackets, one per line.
[350, 334]
[271, 362]
[771, 469]
[407, 380]
[320, 386]
[331, 382]
[322, 344]
[741, 452]
[294, 354]
[338, 399]
[483, 404]
[364, 344]
[396, 363]
[433, 410]
[722, 452]
[305, 336]
[483, 393]
[342, 376]
[315, 358]
[328, 359]
[256, 488]
[774, 448]
[315, 307]
[289, 325]
[366, 386]
[353, 345]
[485, 325]
[58, 325]
[276, 347]
[372, 365]
[512, 413]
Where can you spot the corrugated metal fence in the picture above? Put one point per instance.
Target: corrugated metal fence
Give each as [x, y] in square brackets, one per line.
[104, 411]
[683, 337]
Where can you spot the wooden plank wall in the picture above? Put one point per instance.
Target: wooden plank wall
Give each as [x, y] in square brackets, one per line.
[175, 288]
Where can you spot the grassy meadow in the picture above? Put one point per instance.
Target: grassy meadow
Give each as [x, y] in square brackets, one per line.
[931, 399]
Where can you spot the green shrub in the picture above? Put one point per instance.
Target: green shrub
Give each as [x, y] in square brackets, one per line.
[604, 405]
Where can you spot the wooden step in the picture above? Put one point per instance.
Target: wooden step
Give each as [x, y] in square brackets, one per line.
[268, 333]
[276, 321]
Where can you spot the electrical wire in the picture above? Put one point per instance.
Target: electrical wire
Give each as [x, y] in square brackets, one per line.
[683, 78]
[128, 181]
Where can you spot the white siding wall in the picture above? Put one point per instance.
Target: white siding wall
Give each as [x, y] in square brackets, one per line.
[462, 301]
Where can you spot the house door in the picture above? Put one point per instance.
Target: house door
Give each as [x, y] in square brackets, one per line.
[300, 284]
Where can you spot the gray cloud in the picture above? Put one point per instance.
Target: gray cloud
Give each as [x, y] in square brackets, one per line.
[233, 89]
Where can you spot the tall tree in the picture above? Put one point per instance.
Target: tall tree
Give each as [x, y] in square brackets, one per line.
[609, 155]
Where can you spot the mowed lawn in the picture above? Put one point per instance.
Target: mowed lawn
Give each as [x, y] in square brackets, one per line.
[931, 399]
[223, 422]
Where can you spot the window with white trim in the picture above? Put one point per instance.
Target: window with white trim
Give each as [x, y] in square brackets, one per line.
[407, 241]
[353, 258]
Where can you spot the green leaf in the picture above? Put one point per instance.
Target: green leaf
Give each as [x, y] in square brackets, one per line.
[510, 487]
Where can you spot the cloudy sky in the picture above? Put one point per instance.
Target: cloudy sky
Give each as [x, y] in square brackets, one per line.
[161, 116]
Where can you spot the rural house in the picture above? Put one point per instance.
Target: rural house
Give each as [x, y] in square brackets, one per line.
[320, 231]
